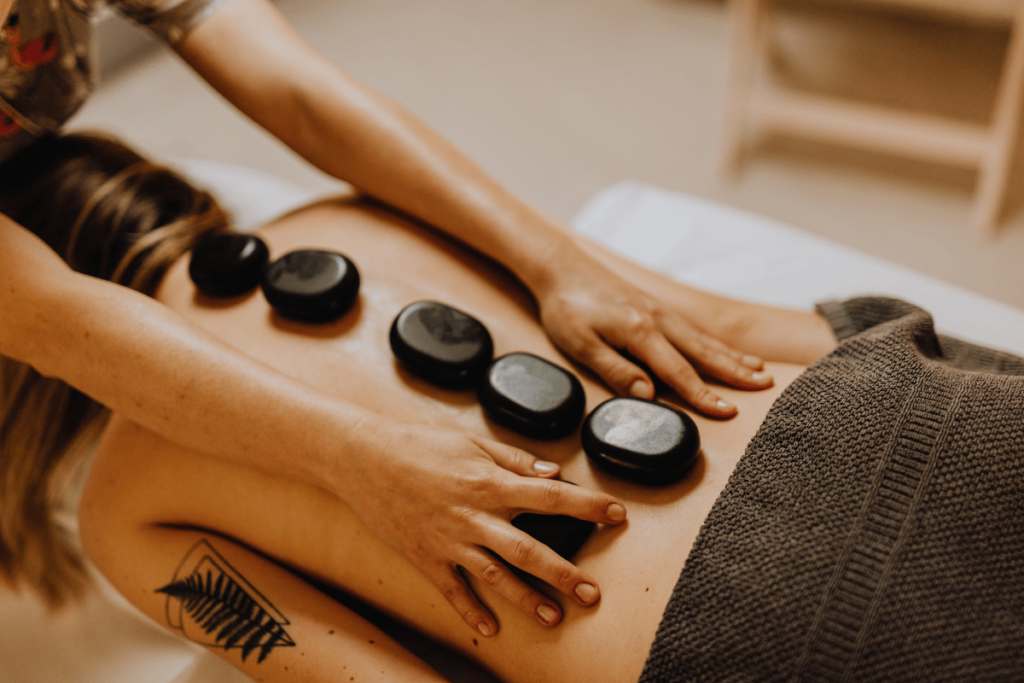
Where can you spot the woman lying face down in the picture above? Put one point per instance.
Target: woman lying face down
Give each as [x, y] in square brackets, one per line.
[217, 552]
[139, 484]
[150, 507]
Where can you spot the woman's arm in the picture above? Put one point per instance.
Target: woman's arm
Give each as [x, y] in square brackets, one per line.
[438, 497]
[249, 53]
[251, 612]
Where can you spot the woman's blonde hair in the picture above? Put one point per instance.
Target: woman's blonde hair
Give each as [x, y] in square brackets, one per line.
[110, 214]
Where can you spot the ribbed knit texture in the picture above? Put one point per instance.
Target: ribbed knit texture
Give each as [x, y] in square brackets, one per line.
[874, 528]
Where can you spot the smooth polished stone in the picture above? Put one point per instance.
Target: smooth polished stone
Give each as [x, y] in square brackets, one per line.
[441, 344]
[311, 285]
[643, 441]
[532, 396]
[226, 264]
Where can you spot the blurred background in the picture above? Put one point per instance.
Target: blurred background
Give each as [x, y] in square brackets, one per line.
[559, 98]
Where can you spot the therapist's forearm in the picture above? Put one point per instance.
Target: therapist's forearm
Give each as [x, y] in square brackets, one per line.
[374, 143]
[144, 361]
[250, 55]
[162, 372]
[358, 135]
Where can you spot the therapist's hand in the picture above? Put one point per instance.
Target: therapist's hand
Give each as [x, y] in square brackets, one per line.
[592, 314]
[445, 499]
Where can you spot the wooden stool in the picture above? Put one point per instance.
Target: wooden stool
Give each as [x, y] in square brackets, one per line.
[989, 148]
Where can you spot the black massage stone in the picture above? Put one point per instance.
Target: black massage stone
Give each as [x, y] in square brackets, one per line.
[226, 264]
[311, 285]
[532, 396]
[441, 344]
[643, 441]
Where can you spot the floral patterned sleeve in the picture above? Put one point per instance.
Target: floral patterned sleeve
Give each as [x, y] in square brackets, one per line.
[46, 71]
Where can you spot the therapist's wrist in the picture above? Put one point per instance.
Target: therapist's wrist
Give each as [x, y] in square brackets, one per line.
[546, 260]
[356, 451]
[325, 444]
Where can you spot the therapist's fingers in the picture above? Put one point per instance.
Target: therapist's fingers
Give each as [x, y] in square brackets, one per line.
[660, 346]
[544, 495]
[526, 553]
[533, 557]
[743, 361]
[621, 376]
[646, 343]
[716, 358]
[553, 497]
[461, 597]
[668, 363]
[518, 461]
[493, 572]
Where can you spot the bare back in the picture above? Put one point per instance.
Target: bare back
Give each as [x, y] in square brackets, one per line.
[144, 481]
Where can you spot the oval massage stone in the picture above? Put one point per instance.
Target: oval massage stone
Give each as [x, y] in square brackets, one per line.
[441, 344]
[226, 264]
[532, 396]
[643, 441]
[311, 285]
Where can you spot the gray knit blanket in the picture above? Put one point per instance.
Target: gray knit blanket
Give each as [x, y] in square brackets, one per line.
[874, 528]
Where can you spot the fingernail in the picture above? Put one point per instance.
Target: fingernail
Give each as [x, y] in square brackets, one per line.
[615, 512]
[759, 376]
[586, 592]
[485, 629]
[752, 361]
[640, 389]
[724, 405]
[544, 467]
[547, 613]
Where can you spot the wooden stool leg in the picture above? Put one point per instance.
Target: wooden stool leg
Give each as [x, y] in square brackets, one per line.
[995, 165]
[744, 49]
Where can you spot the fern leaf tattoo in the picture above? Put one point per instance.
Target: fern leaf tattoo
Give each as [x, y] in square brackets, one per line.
[223, 609]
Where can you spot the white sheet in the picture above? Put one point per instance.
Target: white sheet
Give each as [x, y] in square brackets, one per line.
[696, 241]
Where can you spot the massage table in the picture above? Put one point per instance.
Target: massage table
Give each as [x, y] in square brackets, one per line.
[698, 242]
